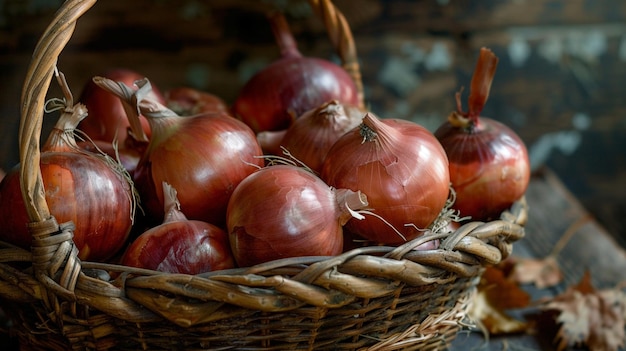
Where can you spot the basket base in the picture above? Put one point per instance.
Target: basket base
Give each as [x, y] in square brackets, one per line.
[386, 323]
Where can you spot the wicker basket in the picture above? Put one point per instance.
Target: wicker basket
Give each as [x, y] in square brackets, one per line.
[374, 298]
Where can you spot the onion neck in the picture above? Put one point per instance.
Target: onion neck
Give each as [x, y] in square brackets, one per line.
[479, 92]
[129, 98]
[61, 137]
[458, 120]
[373, 129]
[163, 121]
[171, 205]
[349, 203]
[283, 36]
[331, 114]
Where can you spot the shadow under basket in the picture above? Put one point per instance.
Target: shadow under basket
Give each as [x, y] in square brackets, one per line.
[369, 298]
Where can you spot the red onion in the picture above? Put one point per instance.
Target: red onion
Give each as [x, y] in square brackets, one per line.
[291, 85]
[204, 157]
[401, 168]
[285, 211]
[86, 188]
[489, 165]
[180, 245]
[187, 101]
[310, 137]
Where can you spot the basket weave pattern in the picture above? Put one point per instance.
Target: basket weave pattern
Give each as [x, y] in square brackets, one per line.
[376, 298]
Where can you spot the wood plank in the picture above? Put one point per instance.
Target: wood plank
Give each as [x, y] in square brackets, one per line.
[556, 212]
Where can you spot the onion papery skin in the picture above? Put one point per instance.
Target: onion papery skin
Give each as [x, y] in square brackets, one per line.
[283, 211]
[107, 119]
[186, 246]
[310, 136]
[81, 188]
[489, 167]
[203, 157]
[403, 171]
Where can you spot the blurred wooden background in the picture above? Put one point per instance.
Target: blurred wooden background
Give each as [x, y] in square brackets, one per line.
[558, 84]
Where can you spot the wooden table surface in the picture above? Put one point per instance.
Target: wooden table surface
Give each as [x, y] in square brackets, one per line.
[553, 212]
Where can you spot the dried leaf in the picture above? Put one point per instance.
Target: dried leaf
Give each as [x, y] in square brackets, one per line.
[543, 273]
[495, 295]
[584, 285]
[588, 317]
[502, 292]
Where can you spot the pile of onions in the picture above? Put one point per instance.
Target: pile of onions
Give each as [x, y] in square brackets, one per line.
[402, 169]
[204, 157]
[89, 189]
[180, 245]
[286, 211]
[291, 85]
[310, 137]
[489, 165]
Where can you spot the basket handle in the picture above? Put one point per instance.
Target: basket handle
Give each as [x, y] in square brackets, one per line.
[52, 243]
[36, 84]
[340, 36]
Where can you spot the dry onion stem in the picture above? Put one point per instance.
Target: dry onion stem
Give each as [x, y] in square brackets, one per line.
[288, 159]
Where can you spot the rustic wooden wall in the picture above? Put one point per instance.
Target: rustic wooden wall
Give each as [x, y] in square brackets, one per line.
[558, 83]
